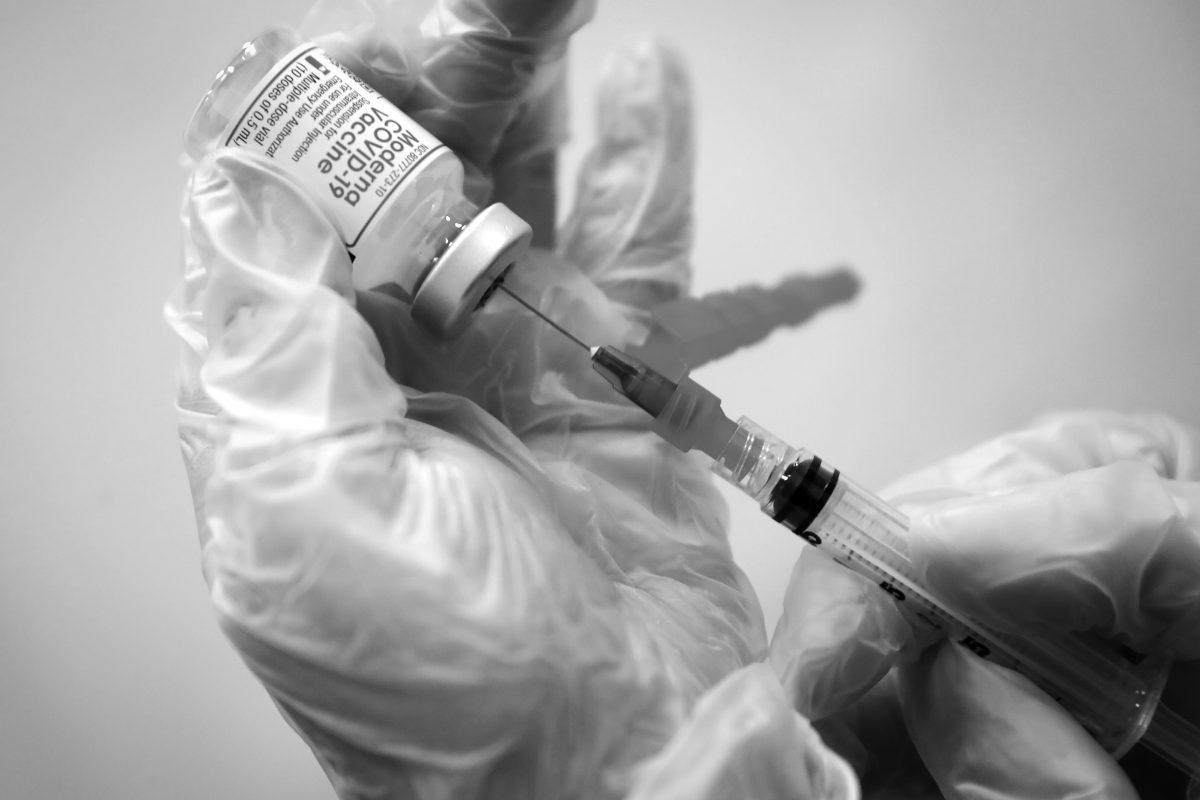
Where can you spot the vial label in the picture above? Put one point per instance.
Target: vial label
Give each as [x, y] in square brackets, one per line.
[334, 134]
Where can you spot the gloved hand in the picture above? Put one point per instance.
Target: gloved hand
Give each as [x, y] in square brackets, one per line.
[1086, 522]
[466, 569]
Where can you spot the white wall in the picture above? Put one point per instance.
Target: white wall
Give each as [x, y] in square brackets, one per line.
[1018, 184]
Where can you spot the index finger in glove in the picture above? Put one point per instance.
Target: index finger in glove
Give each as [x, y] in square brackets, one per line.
[839, 634]
[1114, 550]
[631, 228]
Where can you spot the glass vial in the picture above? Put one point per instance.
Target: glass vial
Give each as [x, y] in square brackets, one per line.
[391, 190]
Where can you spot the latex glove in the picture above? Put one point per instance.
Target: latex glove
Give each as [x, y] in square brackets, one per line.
[1086, 522]
[491, 579]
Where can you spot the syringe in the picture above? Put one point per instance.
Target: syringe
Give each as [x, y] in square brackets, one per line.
[1114, 693]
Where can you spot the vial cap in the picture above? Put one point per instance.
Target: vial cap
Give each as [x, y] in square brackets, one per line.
[475, 260]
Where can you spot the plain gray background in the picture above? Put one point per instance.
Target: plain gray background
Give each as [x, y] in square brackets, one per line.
[1018, 184]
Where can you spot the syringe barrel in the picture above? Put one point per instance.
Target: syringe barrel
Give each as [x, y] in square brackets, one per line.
[1109, 692]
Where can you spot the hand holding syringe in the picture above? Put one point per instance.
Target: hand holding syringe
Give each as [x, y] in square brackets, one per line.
[1113, 694]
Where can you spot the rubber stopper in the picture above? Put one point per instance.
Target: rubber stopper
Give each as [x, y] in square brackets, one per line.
[476, 259]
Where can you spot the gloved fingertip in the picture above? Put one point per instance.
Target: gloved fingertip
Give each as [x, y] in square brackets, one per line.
[983, 730]
[244, 215]
[368, 39]
[742, 740]
[532, 25]
[645, 93]
[630, 230]
[630, 62]
[223, 171]
[838, 636]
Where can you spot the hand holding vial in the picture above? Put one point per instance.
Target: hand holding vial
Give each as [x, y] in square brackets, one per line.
[460, 565]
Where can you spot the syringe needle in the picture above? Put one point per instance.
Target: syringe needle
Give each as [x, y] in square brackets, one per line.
[544, 318]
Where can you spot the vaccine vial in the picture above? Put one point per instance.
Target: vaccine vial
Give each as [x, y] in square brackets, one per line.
[392, 191]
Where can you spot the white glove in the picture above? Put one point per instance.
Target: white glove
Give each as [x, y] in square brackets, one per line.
[1086, 522]
[468, 569]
